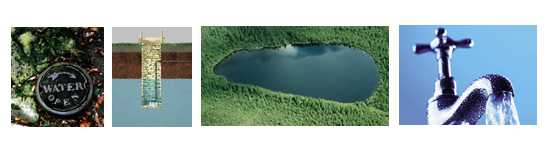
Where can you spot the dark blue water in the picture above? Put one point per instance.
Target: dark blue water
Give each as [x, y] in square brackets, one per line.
[331, 72]
[175, 109]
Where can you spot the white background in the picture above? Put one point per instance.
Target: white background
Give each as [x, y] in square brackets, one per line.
[196, 13]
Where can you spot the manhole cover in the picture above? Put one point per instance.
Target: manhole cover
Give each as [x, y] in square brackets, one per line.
[64, 89]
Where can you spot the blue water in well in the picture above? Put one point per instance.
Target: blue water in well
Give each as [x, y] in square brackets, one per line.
[175, 110]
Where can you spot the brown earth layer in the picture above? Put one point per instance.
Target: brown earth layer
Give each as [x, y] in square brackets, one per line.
[136, 49]
[175, 65]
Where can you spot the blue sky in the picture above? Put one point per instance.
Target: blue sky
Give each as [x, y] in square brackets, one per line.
[504, 50]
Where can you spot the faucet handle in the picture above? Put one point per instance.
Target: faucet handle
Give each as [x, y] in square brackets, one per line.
[442, 42]
[443, 46]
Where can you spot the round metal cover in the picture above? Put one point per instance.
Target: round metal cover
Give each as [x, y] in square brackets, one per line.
[64, 89]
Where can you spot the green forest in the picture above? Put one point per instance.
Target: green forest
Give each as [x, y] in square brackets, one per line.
[227, 103]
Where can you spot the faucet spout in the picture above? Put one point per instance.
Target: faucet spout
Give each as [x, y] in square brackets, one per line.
[468, 108]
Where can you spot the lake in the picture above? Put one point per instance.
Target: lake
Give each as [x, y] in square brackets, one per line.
[333, 72]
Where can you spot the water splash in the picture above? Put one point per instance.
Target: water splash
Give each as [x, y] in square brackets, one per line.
[501, 110]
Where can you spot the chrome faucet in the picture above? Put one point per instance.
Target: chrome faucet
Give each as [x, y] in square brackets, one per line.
[445, 107]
